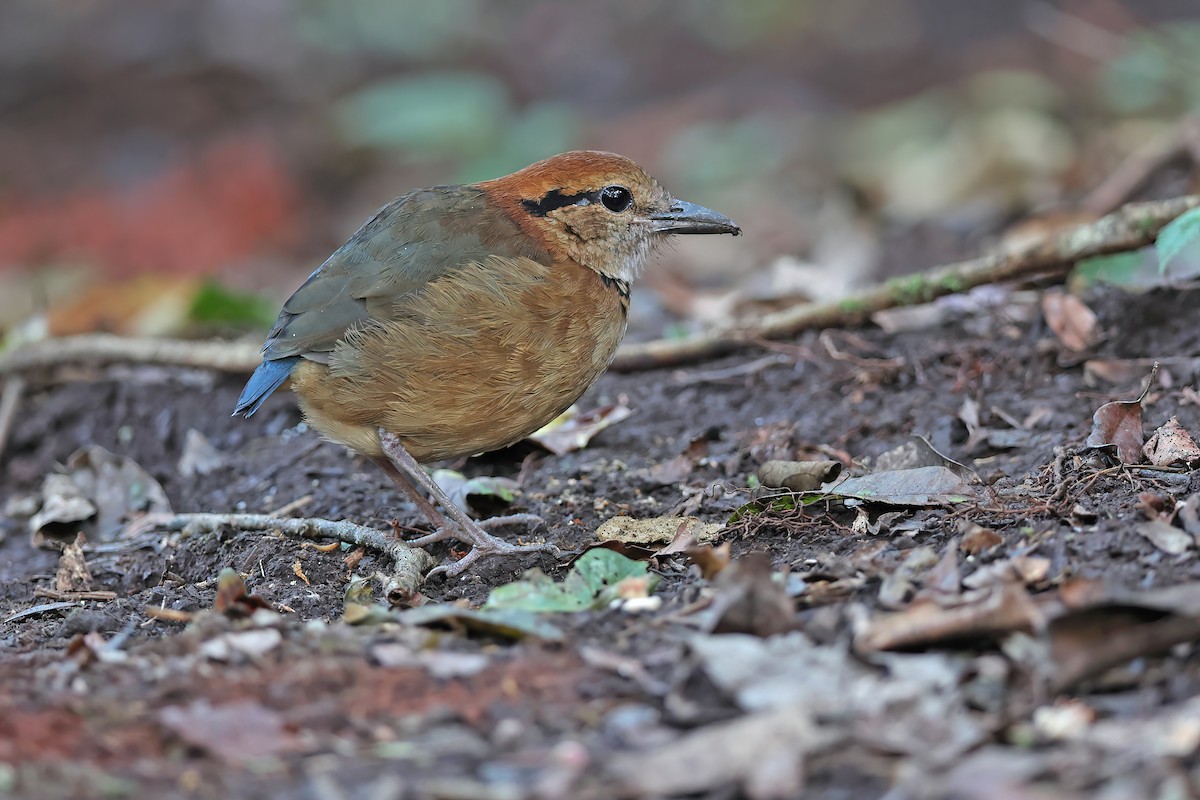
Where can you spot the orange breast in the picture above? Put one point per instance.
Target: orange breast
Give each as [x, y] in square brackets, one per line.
[474, 361]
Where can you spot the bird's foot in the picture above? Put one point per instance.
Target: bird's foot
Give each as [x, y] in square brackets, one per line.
[483, 543]
[448, 531]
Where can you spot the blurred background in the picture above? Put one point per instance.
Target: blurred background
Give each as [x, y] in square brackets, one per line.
[178, 167]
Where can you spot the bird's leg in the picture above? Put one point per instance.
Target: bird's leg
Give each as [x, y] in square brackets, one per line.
[425, 507]
[403, 466]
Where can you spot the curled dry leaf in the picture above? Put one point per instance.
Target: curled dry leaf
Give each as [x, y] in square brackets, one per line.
[978, 539]
[995, 611]
[1025, 570]
[1171, 445]
[1189, 516]
[114, 487]
[1166, 537]
[1072, 321]
[199, 456]
[711, 560]
[233, 599]
[236, 732]
[73, 574]
[798, 476]
[1118, 426]
[923, 486]
[573, 429]
[748, 600]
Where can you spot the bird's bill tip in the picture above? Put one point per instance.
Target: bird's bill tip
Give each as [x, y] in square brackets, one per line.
[685, 217]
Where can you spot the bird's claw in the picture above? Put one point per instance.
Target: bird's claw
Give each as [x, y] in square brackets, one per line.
[479, 551]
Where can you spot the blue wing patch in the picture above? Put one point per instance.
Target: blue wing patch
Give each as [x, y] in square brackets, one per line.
[269, 376]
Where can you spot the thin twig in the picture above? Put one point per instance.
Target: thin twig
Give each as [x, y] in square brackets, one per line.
[221, 356]
[54, 594]
[10, 401]
[1131, 227]
[411, 563]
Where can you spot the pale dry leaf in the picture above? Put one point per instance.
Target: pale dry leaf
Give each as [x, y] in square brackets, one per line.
[199, 456]
[73, 574]
[978, 539]
[1166, 537]
[798, 476]
[656, 530]
[237, 732]
[748, 600]
[1072, 321]
[1019, 569]
[573, 429]
[994, 611]
[1170, 445]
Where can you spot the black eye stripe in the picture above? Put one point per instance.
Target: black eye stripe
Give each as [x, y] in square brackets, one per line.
[614, 198]
[555, 199]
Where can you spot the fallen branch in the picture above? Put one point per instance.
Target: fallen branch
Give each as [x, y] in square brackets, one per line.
[1130, 227]
[411, 563]
[10, 401]
[105, 348]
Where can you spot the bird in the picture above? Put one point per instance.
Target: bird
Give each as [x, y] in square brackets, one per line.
[461, 319]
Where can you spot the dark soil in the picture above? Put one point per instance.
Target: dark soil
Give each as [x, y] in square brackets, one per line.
[356, 728]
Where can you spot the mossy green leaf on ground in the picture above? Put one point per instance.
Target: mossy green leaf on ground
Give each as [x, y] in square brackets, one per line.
[213, 304]
[1178, 239]
[592, 583]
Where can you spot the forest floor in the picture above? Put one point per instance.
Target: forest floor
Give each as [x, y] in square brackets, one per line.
[1025, 632]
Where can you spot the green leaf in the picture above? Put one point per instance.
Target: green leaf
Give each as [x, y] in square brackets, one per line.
[507, 623]
[216, 305]
[1117, 269]
[591, 583]
[445, 114]
[1177, 236]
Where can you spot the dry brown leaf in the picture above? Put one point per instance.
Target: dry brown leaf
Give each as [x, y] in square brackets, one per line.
[994, 611]
[711, 560]
[1072, 321]
[656, 530]
[798, 476]
[1170, 445]
[1166, 537]
[748, 600]
[573, 429]
[1119, 425]
[298, 571]
[233, 600]
[236, 732]
[977, 539]
[945, 579]
[73, 574]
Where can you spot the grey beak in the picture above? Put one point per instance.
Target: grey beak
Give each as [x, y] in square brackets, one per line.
[684, 217]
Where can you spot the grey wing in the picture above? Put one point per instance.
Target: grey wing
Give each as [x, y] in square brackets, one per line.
[409, 242]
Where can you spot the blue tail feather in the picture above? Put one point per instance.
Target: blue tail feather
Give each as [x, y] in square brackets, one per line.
[269, 376]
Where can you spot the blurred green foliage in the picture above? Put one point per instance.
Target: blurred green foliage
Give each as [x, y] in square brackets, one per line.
[1157, 72]
[411, 28]
[216, 306]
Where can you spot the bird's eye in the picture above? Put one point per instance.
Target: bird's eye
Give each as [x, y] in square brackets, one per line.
[616, 198]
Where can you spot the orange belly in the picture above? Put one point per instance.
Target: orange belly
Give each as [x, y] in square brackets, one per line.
[475, 361]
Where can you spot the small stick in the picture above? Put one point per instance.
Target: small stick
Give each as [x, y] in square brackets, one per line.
[411, 563]
[10, 402]
[54, 594]
[1130, 227]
